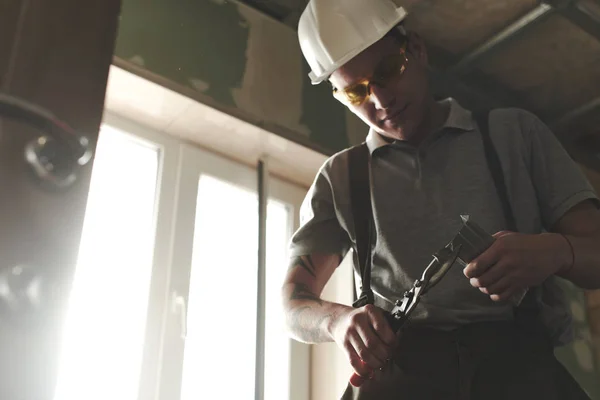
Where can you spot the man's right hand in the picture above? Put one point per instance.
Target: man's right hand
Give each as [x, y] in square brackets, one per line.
[364, 334]
[366, 337]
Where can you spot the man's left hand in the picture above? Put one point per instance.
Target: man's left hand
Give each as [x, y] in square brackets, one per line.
[517, 261]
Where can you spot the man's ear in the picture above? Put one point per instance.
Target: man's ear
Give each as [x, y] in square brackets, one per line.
[416, 48]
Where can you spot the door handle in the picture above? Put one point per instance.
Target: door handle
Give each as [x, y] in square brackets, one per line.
[179, 306]
[57, 155]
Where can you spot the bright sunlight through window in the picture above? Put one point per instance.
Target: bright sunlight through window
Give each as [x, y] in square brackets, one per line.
[219, 361]
[104, 334]
[277, 342]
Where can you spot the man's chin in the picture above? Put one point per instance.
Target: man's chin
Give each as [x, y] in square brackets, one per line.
[397, 132]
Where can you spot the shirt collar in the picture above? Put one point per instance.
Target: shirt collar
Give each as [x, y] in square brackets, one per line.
[458, 118]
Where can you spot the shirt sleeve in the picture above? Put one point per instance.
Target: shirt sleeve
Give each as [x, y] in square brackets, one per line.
[320, 230]
[559, 182]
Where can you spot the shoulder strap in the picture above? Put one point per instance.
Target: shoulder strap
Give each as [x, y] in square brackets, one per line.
[528, 310]
[495, 167]
[360, 199]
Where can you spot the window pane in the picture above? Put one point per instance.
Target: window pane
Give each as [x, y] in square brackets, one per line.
[103, 340]
[219, 358]
[220, 349]
[277, 343]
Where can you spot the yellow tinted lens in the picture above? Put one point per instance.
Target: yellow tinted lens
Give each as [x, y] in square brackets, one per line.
[357, 93]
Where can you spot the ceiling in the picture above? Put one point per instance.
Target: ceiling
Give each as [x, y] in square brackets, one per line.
[287, 11]
[541, 56]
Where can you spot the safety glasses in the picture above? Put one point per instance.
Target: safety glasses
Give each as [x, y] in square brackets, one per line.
[388, 70]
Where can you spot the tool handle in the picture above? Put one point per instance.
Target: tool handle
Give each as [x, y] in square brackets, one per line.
[356, 380]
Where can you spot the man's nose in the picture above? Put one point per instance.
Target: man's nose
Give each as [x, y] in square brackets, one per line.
[383, 98]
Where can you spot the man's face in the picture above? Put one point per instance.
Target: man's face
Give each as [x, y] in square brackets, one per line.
[396, 109]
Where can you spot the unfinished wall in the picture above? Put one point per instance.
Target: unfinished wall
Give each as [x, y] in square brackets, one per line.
[232, 57]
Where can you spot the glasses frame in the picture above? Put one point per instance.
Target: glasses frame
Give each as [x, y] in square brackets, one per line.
[342, 94]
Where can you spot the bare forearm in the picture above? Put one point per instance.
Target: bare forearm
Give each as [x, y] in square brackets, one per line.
[584, 269]
[309, 319]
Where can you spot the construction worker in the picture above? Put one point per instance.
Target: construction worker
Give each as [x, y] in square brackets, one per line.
[427, 167]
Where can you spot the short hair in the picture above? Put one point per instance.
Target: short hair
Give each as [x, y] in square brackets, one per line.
[398, 33]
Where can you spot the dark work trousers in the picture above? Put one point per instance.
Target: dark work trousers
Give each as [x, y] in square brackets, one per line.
[487, 361]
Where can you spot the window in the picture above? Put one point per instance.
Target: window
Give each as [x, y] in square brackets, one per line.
[215, 276]
[219, 356]
[278, 355]
[164, 300]
[103, 340]
[221, 317]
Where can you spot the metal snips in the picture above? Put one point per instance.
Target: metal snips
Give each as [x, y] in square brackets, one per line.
[435, 271]
[470, 241]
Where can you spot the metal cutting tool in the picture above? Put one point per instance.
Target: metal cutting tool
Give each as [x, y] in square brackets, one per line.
[470, 241]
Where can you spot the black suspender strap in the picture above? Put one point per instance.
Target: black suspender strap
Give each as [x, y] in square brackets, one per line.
[360, 199]
[495, 167]
[528, 308]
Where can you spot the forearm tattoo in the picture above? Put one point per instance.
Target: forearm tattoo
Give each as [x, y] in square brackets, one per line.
[302, 292]
[305, 262]
[308, 320]
[308, 329]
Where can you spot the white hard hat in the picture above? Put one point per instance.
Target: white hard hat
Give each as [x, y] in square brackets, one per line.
[332, 32]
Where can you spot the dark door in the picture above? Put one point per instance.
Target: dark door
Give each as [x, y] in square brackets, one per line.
[55, 54]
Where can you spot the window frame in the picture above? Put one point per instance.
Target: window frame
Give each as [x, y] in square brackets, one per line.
[160, 377]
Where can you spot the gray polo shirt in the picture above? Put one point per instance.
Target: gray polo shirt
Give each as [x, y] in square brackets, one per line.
[420, 192]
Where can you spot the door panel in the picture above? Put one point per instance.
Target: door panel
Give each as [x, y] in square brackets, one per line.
[158, 297]
[210, 338]
[198, 171]
[219, 356]
[286, 361]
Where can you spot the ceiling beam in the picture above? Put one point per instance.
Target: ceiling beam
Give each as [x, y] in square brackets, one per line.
[575, 11]
[572, 115]
[445, 85]
[583, 17]
[476, 90]
[516, 28]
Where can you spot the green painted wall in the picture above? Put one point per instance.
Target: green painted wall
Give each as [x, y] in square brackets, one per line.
[237, 57]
